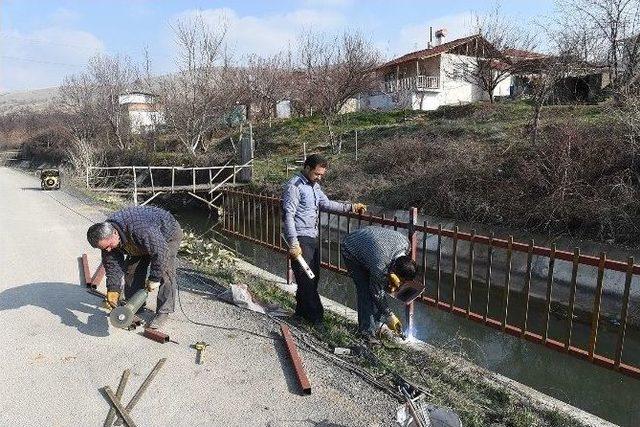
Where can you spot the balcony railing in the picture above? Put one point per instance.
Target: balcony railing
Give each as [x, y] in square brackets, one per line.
[412, 83]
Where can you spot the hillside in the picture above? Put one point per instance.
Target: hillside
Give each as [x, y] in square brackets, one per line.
[476, 163]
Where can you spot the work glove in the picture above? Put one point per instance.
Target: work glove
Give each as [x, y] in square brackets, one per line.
[152, 285]
[113, 297]
[393, 282]
[358, 208]
[394, 324]
[295, 251]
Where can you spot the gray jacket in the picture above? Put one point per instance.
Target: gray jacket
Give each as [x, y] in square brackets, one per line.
[375, 248]
[301, 204]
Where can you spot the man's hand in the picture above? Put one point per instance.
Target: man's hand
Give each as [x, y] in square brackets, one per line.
[394, 324]
[152, 286]
[295, 251]
[358, 208]
[113, 297]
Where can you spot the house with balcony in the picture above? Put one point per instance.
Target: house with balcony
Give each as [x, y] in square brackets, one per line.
[143, 111]
[429, 78]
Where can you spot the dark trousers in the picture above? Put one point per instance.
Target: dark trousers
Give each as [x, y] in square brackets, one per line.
[368, 313]
[136, 276]
[308, 303]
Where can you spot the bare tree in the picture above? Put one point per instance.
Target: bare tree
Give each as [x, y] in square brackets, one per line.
[93, 98]
[268, 82]
[333, 70]
[485, 65]
[204, 89]
[613, 26]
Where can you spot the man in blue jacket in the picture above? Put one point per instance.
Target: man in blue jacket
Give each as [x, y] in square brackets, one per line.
[135, 241]
[302, 201]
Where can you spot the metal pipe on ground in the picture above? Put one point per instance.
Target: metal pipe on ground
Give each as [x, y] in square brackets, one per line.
[123, 316]
[136, 397]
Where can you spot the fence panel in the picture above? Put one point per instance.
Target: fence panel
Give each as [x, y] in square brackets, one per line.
[504, 284]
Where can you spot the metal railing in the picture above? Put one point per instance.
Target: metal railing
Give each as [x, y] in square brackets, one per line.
[156, 180]
[478, 277]
[412, 83]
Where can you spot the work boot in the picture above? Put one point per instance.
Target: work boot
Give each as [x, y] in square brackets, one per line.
[370, 340]
[318, 325]
[158, 321]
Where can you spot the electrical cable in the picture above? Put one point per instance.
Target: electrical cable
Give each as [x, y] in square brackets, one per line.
[91, 221]
[210, 325]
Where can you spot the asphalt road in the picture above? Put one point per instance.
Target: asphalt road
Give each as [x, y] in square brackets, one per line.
[58, 349]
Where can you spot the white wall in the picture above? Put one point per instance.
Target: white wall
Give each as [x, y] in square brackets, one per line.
[135, 98]
[283, 109]
[142, 121]
[504, 87]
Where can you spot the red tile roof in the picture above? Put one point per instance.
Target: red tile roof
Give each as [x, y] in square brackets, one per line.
[523, 54]
[426, 53]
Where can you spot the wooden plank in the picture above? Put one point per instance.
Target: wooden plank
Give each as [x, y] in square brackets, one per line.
[301, 375]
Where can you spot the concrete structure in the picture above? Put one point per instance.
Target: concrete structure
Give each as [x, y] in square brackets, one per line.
[283, 109]
[429, 78]
[143, 111]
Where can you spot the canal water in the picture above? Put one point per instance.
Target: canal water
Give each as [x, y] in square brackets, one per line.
[603, 392]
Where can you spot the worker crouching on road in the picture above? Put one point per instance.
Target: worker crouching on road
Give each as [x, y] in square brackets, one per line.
[136, 241]
[378, 261]
[302, 200]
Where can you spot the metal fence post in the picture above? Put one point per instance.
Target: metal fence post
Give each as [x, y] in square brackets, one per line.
[135, 186]
[413, 244]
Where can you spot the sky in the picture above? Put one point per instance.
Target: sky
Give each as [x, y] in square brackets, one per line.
[42, 41]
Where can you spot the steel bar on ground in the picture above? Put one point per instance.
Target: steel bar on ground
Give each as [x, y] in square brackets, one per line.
[572, 296]
[623, 315]
[527, 287]
[98, 276]
[86, 273]
[593, 338]
[295, 359]
[112, 411]
[115, 402]
[143, 387]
